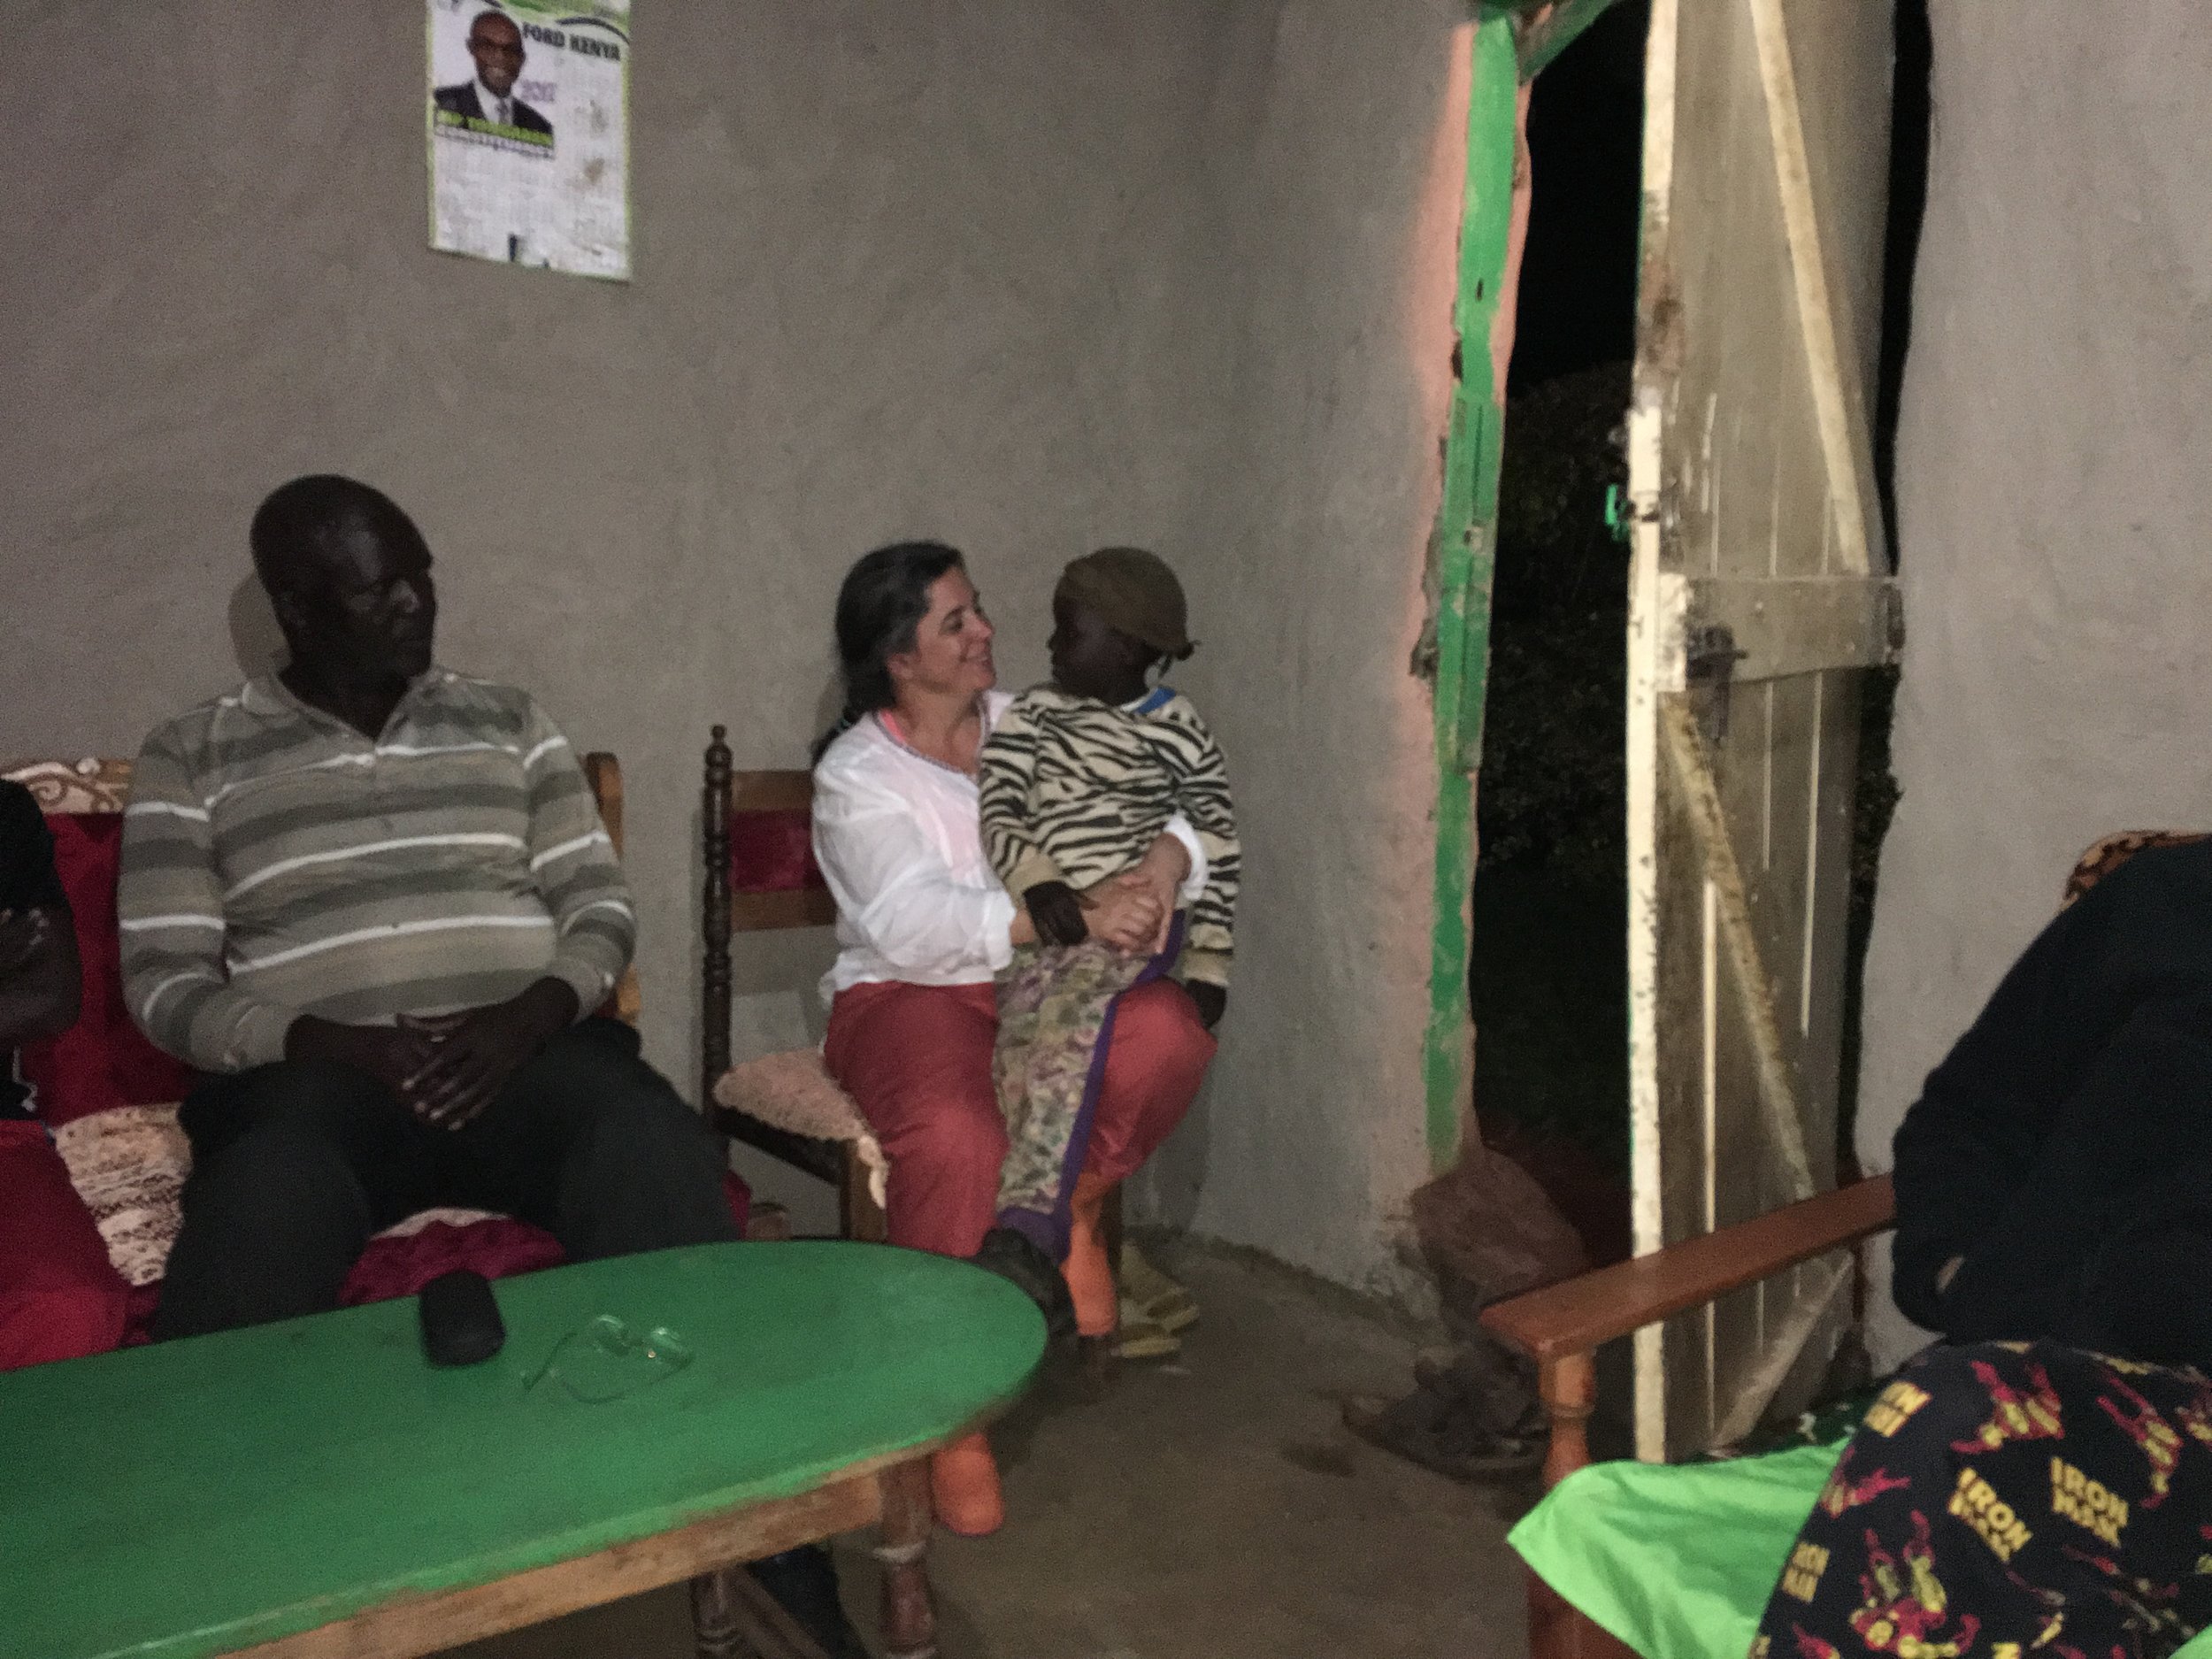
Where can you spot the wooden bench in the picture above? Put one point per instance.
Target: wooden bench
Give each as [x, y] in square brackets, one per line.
[1561, 1327]
[103, 784]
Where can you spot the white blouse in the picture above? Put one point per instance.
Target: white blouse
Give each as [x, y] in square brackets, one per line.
[900, 841]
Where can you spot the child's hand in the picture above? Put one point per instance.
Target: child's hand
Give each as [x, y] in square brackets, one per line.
[1122, 912]
[1056, 914]
[1212, 1000]
[1163, 867]
[1161, 873]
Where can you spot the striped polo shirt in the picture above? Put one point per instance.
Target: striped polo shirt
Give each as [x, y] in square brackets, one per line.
[278, 862]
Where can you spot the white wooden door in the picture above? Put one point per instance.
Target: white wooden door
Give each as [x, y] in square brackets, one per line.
[1759, 593]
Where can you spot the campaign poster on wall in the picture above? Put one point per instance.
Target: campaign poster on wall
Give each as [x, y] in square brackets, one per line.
[529, 133]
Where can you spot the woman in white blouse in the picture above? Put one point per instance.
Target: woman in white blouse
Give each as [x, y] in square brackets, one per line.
[925, 923]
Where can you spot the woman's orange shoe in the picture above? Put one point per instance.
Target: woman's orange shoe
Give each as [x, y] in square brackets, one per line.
[1088, 1270]
[964, 1487]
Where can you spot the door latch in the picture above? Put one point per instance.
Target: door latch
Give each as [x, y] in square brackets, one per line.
[1709, 661]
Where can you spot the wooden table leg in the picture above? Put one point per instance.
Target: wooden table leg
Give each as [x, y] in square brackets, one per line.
[716, 1614]
[734, 1617]
[910, 1621]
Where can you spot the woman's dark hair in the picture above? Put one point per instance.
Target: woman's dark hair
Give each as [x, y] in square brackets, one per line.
[884, 598]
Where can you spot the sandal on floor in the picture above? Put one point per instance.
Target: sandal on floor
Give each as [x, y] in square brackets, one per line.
[1154, 1295]
[1442, 1435]
[803, 1582]
[1140, 1337]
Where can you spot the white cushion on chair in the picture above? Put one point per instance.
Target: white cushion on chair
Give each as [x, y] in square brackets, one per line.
[128, 1165]
[794, 1091]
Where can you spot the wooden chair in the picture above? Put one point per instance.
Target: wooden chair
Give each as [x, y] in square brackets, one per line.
[761, 876]
[1563, 1325]
[756, 829]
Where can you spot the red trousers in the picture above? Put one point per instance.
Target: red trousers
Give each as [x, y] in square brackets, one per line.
[917, 1060]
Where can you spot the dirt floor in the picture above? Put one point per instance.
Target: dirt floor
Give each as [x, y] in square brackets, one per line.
[1207, 1508]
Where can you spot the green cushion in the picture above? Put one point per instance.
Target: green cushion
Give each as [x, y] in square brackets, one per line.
[1677, 1561]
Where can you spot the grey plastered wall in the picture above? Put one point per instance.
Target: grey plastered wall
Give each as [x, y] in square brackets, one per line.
[1032, 275]
[1336, 137]
[2054, 501]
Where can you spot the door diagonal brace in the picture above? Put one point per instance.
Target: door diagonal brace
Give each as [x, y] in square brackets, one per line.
[1779, 1096]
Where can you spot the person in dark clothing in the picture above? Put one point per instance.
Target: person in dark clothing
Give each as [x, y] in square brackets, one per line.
[372, 902]
[2042, 1477]
[2065, 1145]
[38, 943]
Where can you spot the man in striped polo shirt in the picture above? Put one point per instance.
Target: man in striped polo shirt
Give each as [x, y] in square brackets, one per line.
[371, 899]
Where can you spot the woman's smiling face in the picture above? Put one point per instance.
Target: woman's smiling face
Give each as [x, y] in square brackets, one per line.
[952, 642]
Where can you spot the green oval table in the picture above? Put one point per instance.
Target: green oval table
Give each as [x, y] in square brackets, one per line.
[316, 1488]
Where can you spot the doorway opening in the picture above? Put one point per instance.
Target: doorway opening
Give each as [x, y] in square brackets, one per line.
[1548, 971]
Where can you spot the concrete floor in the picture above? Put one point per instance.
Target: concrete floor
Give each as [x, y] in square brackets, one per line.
[1209, 1508]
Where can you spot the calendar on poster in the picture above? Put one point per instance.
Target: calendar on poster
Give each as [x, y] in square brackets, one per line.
[529, 123]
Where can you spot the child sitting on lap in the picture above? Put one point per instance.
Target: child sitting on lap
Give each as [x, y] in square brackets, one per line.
[1078, 778]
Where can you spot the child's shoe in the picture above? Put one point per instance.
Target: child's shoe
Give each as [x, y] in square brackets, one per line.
[964, 1487]
[1015, 1258]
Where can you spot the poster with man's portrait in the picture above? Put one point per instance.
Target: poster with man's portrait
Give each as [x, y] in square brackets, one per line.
[528, 105]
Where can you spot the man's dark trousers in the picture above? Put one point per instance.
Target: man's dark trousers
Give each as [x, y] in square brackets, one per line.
[296, 1165]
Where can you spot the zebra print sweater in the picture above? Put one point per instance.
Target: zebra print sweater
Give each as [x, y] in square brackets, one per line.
[1076, 790]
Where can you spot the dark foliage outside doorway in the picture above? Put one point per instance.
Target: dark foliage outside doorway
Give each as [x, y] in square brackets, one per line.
[1549, 973]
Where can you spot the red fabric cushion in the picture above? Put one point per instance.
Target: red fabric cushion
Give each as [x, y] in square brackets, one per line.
[103, 1060]
[772, 852]
[402, 1266]
[498, 1248]
[138, 1329]
[59, 1297]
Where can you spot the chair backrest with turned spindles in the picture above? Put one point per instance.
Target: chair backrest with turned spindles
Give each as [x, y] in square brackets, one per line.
[756, 831]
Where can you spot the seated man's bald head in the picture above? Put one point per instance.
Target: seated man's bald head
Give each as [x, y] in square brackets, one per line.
[296, 527]
[347, 574]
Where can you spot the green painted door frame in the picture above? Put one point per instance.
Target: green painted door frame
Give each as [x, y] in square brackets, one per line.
[1508, 52]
